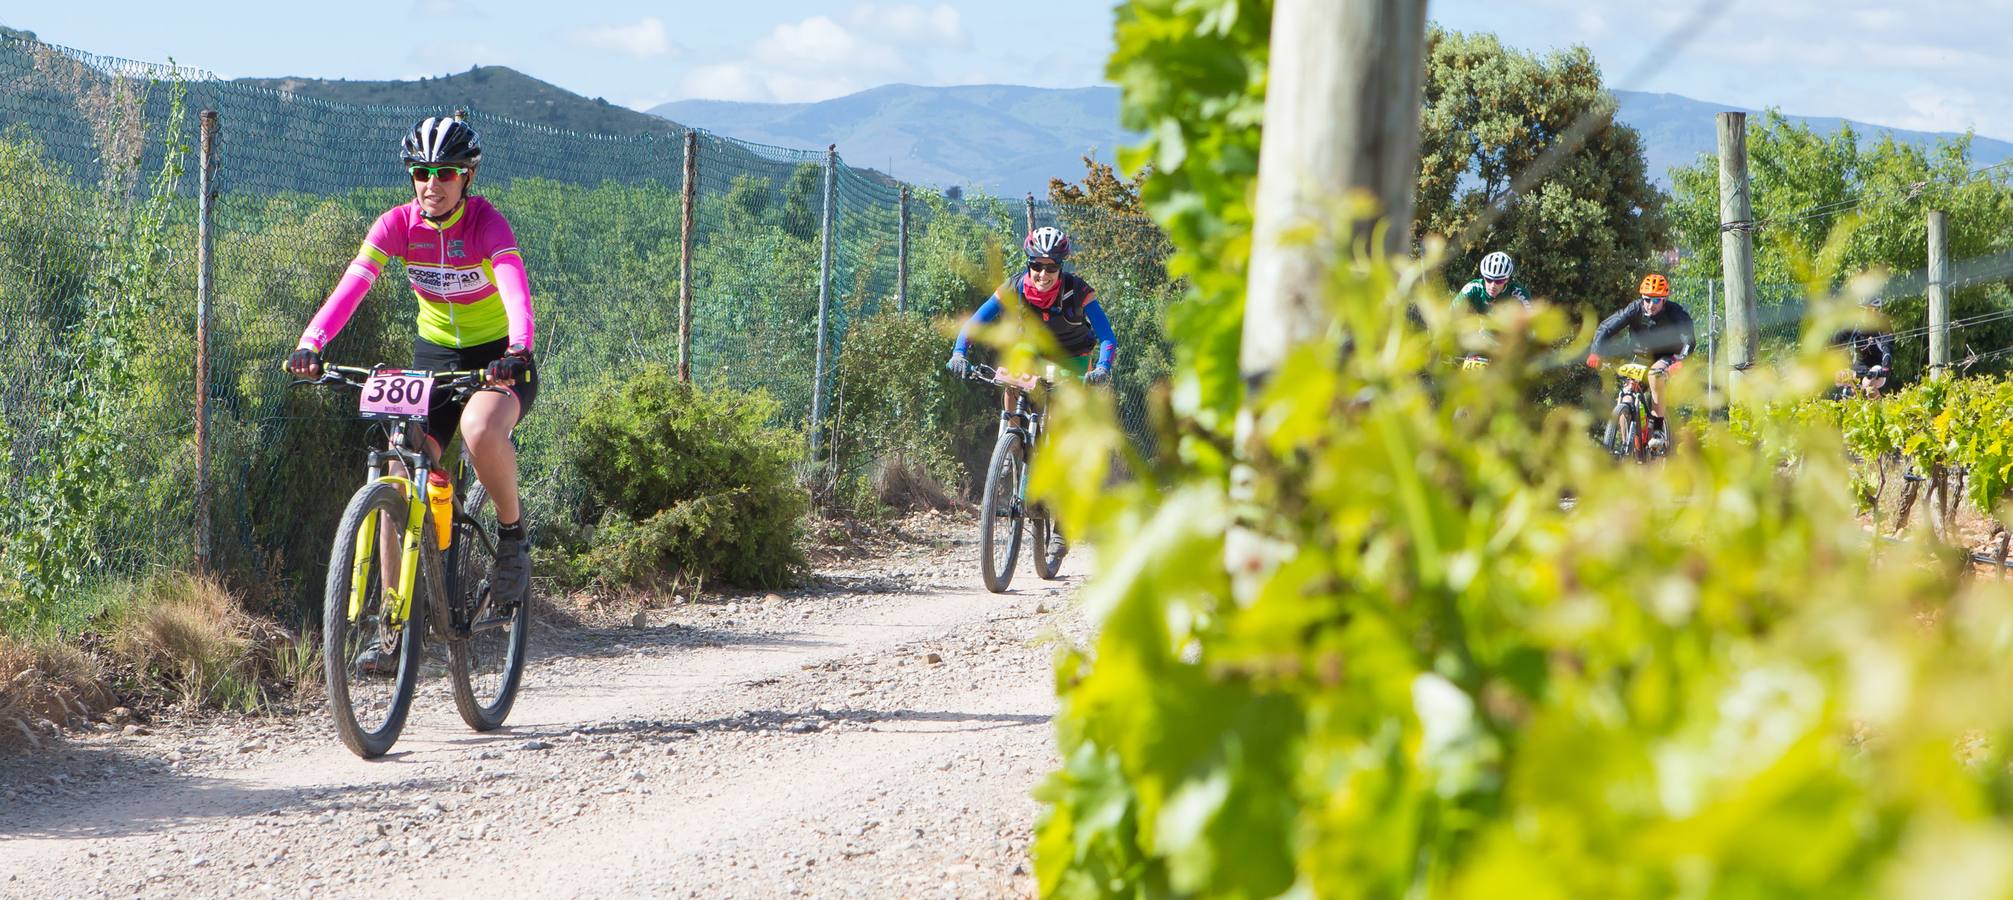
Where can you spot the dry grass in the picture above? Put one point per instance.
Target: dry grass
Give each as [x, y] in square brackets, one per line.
[172, 640]
[904, 485]
[188, 640]
[44, 686]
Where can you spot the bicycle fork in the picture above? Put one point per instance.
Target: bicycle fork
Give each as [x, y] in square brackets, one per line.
[399, 600]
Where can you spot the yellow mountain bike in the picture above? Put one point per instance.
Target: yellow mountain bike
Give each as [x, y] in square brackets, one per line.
[1628, 434]
[405, 565]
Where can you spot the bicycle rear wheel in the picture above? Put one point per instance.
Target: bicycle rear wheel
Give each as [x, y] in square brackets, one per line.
[487, 665]
[1001, 513]
[371, 664]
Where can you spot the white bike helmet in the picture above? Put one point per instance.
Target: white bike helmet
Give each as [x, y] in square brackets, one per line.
[1047, 241]
[1497, 266]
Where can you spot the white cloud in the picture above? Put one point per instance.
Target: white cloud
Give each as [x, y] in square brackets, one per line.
[1877, 19]
[1930, 108]
[765, 84]
[1927, 64]
[935, 26]
[822, 57]
[1845, 53]
[646, 39]
[726, 81]
[1591, 23]
[816, 41]
[445, 8]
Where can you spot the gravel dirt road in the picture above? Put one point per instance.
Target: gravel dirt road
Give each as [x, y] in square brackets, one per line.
[875, 734]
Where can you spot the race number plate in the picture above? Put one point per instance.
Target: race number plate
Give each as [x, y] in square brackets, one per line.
[394, 394]
[1023, 382]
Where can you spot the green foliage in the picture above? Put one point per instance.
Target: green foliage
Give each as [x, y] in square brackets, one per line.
[1580, 237]
[1378, 656]
[1808, 190]
[1193, 75]
[694, 483]
[958, 258]
[764, 278]
[1103, 188]
[1124, 254]
[893, 401]
[1420, 673]
[1938, 425]
[73, 505]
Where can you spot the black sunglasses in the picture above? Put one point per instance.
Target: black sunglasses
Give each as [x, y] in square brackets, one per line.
[1044, 267]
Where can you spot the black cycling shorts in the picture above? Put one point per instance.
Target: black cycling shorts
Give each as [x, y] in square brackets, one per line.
[443, 417]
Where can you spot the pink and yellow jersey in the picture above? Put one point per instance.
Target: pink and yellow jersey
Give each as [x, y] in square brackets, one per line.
[466, 271]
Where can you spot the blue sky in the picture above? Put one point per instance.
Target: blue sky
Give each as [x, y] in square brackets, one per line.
[1928, 64]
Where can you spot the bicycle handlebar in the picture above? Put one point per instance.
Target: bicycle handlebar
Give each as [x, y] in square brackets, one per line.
[1001, 376]
[354, 377]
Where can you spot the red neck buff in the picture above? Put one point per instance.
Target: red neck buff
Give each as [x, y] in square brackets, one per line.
[1040, 298]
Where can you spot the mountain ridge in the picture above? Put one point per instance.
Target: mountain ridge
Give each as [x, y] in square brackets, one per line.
[497, 90]
[1002, 139]
[1675, 130]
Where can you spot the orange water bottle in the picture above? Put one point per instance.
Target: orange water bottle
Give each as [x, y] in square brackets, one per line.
[440, 496]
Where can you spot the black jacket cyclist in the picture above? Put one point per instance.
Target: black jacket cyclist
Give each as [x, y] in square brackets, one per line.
[1653, 328]
[1871, 348]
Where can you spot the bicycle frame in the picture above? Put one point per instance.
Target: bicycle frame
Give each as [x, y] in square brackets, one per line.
[1634, 393]
[1030, 419]
[403, 445]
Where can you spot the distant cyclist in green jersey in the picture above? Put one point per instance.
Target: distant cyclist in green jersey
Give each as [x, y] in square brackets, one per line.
[1482, 293]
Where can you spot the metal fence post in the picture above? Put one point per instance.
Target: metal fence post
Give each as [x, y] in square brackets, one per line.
[205, 285]
[685, 256]
[1711, 334]
[824, 302]
[902, 255]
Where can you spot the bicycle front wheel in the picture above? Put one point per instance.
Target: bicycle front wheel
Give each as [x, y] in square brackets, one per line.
[487, 665]
[1047, 567]
[1001, 513]
[370, 657]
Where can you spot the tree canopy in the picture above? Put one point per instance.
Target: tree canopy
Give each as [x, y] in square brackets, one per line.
[1871, 196]
[1581, 234]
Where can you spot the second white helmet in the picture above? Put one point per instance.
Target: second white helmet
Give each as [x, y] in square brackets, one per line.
[1497, 266]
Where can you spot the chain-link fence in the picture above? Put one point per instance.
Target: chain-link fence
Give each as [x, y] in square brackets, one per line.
[1980, 324]
[100, 218]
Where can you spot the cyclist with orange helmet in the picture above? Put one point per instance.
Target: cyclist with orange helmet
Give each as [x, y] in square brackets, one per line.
[1653, 328]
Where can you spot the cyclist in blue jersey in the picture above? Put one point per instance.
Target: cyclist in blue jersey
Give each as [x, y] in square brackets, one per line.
[1063, 302]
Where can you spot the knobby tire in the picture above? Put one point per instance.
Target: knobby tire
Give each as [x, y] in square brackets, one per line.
[372, 733]
[1002, 507]
[486, 666]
